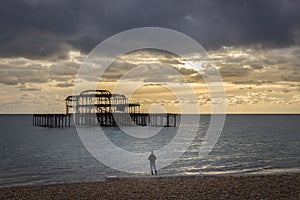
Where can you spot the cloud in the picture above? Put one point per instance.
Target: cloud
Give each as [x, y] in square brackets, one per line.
[63, 85]
[234, 71]
[50, 29]
[15, 74]
[64, 68]
[257, 65]
[30, 88]
[255, 44]
[20, 71]
[150, 66]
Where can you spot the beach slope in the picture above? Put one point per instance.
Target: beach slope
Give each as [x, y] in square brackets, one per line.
[206, 187]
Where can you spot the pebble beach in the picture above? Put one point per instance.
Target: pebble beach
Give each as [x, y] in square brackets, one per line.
[194, 187]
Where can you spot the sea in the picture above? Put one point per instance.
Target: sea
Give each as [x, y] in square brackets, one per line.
[256, 144]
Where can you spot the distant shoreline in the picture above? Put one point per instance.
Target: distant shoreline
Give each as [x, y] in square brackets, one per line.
[285, 186]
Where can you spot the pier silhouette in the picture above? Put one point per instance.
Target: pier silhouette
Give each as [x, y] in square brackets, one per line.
[100, 107]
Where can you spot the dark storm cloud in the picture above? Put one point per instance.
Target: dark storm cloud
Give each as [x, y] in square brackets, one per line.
[256, 66]
[50, 28]
[63, 85]
[234, 71]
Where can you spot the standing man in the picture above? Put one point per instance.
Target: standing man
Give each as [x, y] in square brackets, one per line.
[152, 159]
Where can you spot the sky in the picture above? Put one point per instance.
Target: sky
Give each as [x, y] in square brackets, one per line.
[254, 44]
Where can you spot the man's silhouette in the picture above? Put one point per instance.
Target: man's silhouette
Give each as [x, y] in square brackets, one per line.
[152, 159]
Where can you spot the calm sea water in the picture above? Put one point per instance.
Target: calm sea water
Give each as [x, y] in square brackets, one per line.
[249, 144]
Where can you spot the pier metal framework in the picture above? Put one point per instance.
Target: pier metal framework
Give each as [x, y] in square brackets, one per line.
[100, 107]
[100, 101]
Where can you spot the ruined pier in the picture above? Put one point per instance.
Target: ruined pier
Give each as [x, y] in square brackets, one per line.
[52, 120]
[100, 107]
